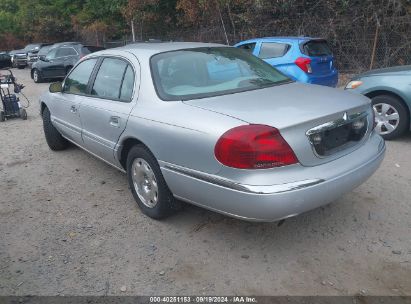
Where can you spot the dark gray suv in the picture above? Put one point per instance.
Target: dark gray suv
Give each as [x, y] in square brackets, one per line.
[59, 60]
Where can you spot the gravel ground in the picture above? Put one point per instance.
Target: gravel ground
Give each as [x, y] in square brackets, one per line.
[69, 225]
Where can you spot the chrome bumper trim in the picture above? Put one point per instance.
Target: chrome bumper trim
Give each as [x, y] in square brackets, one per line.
[252, 189]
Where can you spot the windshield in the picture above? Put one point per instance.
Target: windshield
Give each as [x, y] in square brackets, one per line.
[32, 47]
[44, 50]
[205, 72]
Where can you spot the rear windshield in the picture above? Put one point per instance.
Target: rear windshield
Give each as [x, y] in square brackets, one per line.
[316, 48]
[205, 72]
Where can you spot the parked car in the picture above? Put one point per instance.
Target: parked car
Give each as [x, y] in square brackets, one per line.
[59, 60]
[390, 93]
[20, 56]
[213, 126]
[304, 59]
[33, 55]
[5, 60]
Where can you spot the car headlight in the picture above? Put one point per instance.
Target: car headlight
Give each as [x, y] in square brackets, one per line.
[354, 84]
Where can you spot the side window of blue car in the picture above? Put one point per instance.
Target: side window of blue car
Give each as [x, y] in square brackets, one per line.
[273, 50]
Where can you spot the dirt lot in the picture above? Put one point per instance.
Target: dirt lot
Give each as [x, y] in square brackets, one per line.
[69, 225]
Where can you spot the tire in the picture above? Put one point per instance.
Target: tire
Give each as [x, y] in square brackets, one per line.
[2, 116]
[55, 141]
[389, 106]
[37, 77]
[23, 114]
[158, 202]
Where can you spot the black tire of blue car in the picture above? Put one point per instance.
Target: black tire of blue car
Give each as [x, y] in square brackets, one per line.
[398, 105]
[166, 204]
[37, 76]
[2, 116]
[55, 141]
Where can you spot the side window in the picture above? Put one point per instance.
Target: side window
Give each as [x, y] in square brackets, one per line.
[64, 52]
[249, 47]
[109, 78]
[51, 55]
[273, 50]
[128, 85]
[77, 81]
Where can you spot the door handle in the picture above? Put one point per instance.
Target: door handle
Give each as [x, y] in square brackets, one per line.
[115, 121]
[73, 109]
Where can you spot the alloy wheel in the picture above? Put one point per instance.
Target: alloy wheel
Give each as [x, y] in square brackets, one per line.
[387, 118]
[145, 182]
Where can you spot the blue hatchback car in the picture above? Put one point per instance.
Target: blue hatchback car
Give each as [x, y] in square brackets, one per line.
[303, 59]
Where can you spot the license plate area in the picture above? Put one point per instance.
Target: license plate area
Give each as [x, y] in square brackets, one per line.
[338, 135]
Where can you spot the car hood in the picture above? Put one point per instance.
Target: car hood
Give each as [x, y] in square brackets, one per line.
[284, 105]
[398, 70]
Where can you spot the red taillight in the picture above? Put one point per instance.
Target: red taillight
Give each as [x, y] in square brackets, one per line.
[254, 147]
[304, 64]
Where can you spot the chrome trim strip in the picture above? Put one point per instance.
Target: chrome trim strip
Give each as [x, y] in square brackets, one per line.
[346, 119]
[336, 123]
[252, 189]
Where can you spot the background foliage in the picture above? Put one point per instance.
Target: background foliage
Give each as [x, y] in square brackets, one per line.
[353, 27]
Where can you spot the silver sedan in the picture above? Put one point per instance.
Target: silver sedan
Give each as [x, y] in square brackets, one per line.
[213, 126]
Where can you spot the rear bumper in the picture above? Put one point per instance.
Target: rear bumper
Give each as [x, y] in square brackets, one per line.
[275, 202]
[328, 80]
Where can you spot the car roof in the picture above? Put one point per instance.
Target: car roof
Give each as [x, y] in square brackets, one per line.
[151, 48]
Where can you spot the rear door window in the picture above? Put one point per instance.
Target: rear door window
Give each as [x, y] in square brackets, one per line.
[109, 78]
[249, 47]
[77, 81]
[273, 50]
[128, 85]
[317, 48]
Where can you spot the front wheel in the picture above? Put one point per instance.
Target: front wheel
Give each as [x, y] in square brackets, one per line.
[391, 116]
[37, 77]
[147, 184]
[2, 116]
[54, 139]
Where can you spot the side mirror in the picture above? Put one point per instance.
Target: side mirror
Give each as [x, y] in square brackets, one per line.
[56, 87]
[42, 58]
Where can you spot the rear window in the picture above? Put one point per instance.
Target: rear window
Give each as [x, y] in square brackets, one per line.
[316, 48]
[273, 50]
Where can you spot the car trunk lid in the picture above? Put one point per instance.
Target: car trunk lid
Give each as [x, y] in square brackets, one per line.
[294, 109]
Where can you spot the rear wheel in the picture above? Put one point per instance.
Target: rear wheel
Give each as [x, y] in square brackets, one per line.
[147, 184]
[391, 116]
[54, 139]
[36, 76]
